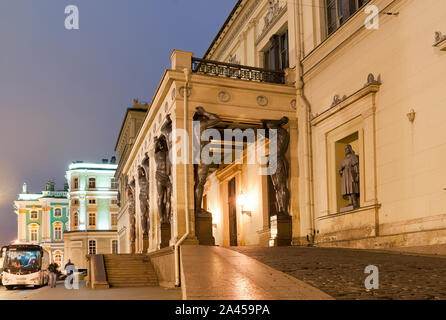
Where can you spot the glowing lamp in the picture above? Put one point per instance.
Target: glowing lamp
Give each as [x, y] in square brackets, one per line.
[244, 202]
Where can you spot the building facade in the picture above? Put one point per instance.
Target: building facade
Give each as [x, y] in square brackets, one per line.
[133, 120]
[354, 90]
[93, 207]
[42, 218]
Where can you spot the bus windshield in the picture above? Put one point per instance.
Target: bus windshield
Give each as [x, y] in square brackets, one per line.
[22, 260]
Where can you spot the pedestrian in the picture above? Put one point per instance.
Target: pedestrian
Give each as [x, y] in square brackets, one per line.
[69, 267]
[53, 274]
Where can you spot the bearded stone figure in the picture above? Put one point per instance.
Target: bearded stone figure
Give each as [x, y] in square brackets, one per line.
[201, 171]
[349, 172]
[163, 183]
[280, 176]
[132, 217]
[144, 201]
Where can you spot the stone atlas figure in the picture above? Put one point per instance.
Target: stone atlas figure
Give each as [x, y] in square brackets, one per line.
[349, 172]
[144, 201]
[132, 218]
[163, 183]
[207, 120]
[280, 176]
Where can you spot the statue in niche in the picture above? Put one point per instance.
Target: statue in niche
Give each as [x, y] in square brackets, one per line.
[280, 176]
[132, 217]
[144, 200]
[163, 183]
[201, 171]
[349, 172]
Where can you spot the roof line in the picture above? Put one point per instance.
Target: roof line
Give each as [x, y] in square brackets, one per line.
[223, 28]
[123, 122]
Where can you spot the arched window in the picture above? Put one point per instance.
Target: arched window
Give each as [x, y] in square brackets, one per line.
[92, 247]
[92, 183]
[34, 235]
[34, 232]
[57, 232]
[58, 257]
[58, 212]
[76, 183]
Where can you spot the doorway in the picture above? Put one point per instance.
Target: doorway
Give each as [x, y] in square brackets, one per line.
[232, 203]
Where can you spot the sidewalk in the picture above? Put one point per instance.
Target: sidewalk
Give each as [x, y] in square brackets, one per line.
[61, 293]
[214, 273]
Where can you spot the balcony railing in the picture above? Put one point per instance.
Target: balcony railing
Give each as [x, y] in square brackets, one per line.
[235, 71]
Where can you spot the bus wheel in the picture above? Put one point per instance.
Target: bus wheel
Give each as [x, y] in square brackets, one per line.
[9, 287]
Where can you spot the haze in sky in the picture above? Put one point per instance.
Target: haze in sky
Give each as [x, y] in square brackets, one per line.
[63, 94]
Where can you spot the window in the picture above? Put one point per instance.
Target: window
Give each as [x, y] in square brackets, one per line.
[339, 11]
[92, 219]
[114, 184]
[76, 183]
[277, 57]
[114, 220]
[76, 219]
[114, 246]
[58, 212]
[91, 201]
[75, 202]
[58, 258]
[114, 202]
[92, 247]
[58, 233]
[34, 215]
[34, 235]
[92, 183]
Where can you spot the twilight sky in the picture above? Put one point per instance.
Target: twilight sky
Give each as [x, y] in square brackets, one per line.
[63, 94]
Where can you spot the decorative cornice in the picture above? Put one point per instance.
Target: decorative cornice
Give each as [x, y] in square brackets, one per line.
[278, 15]
[440, 41]
[233, 35]
[372, 86]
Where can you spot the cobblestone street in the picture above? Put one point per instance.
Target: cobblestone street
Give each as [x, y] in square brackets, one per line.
[340, 272]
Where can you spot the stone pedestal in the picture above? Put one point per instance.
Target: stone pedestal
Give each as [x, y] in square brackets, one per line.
[145, 244]
[165, 235]
[281, 231]
[203, 228]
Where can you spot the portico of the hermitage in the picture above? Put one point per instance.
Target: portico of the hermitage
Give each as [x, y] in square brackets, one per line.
[349, 117]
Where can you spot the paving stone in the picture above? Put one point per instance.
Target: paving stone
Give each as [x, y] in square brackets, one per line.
[340, 272]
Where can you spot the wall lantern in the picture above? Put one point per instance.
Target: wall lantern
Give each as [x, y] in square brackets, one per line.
[411, 115]
[244, 202]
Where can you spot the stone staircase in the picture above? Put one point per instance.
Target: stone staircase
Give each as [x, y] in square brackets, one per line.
[130, 270]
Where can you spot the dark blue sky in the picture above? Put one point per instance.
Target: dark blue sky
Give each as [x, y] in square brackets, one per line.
[63, 93]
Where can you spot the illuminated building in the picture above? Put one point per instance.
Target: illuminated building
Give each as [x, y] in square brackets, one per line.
[93, 211]
[42, 219]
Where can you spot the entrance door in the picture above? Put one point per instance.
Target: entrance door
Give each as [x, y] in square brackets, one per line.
[232, 202]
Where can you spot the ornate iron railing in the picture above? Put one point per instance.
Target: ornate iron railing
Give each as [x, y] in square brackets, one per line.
[235, 71]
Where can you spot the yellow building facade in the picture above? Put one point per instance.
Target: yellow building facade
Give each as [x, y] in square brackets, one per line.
[360, 73]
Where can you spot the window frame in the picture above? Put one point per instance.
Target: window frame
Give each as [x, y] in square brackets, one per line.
[90, 215]
[113, 241]
[58, 210]
[90, 246]
[339, 14]
[89, 183]
[31, 215]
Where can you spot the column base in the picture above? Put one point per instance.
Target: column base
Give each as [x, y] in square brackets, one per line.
[165, 235]
[281, 231]
[145, 244]
[203, 228]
